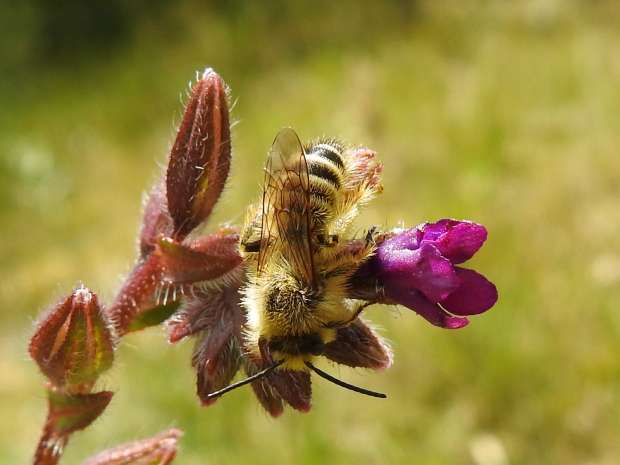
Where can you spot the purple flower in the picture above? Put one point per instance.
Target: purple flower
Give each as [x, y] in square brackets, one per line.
[416, 268]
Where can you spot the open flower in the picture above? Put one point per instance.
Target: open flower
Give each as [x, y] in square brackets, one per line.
[416, 268]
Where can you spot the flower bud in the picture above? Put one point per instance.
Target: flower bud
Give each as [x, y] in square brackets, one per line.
[73, 343]
[160, 449]
[200, 157]
[156, 221]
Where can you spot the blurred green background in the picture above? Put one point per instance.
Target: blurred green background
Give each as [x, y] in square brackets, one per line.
[506, 113]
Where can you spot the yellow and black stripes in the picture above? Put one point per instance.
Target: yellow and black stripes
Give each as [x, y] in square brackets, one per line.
[326, 171]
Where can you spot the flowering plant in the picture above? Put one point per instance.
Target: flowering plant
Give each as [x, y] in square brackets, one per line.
[193, 283]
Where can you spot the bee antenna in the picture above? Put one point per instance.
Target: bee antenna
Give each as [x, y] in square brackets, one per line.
[341, 383]
[243, 382]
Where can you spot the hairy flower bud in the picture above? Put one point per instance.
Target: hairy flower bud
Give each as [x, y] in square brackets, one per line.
[73, 343]
[160, 449]
[156, 221]
[200, 157]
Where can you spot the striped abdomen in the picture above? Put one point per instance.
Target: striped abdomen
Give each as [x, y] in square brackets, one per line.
[326, 171]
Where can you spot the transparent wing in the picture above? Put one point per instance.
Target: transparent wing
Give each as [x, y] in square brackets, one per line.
[286, 222]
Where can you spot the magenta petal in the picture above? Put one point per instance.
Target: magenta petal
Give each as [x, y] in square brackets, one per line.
[476, 294]
[405, 239]
[433, 313]
[456, 240]
[425, 269]
[432, 274]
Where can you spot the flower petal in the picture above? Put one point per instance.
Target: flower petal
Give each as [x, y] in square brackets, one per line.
[424, 269]
[357, 345]
[456, 240]
[433, 313]
[476, 294]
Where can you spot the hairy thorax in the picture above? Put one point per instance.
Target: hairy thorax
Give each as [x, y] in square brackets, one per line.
[291, 307]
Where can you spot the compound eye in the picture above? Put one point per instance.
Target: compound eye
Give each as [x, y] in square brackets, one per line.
[251, 247]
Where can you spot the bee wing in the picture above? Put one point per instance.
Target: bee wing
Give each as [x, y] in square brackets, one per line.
[286, 221]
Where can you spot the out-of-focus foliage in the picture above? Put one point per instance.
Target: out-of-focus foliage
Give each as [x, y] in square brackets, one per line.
[506, 113]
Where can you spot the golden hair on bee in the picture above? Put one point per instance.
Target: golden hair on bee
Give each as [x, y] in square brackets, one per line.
[294, 242]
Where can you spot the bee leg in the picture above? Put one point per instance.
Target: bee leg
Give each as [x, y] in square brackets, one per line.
[330, 240]
[356, 313]
[370, 235]
[358, 310]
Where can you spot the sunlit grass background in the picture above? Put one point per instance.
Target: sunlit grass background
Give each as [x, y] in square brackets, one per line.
[506, 113]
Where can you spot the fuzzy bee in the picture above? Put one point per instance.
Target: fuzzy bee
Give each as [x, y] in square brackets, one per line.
[295, 297]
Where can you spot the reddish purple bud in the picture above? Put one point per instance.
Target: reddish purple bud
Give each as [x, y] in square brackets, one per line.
[144, 300]
[73, 412]
[160, 450]
[200, 157]
[73, 343]
[358, 345]
[206, 259]
[156, 221]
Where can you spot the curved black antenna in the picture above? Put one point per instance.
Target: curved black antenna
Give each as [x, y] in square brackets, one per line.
[351, 387]
[243, 382]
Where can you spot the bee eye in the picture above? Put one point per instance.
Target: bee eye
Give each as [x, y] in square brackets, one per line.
[251, 247]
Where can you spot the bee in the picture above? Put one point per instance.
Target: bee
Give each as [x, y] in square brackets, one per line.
[298, 262]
